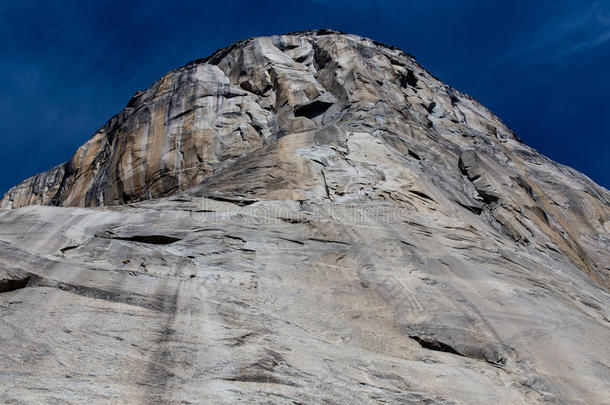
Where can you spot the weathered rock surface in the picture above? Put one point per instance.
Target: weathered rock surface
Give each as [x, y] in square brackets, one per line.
[306, 218]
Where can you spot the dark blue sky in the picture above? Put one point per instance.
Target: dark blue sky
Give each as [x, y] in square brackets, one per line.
[66, 67]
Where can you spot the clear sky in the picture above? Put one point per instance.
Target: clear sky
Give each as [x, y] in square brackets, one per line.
[66, 67]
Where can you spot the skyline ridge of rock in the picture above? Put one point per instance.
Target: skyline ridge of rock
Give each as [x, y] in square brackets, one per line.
[46, 187]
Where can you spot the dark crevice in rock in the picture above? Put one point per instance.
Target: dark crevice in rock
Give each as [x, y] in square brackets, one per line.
[319, 162]
[151, 239]
[471, 174]
[229, 95]
[431, 343]
[298, 242]
[321, 57]
[69, 170]
[236, 201]
[313, 109]
[482, 352]
[249, 87]
[65, 249]
[14, 283]
[413, 154]
[287, 47]
[328, 241]
[236, 238]
[422, 195]
[477, 210]
[301, 59]
[408, 244]
[395, 61]
[409, 79]
[487, 198]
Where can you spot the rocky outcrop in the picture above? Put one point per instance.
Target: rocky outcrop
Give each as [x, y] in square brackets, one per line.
[313, 218]
[201, 117]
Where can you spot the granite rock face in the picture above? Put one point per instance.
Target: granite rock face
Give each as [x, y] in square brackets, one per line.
[305, 218]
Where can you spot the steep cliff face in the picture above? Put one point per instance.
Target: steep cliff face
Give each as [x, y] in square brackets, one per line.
[223, 116]
[310, 216]
[206, 114]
